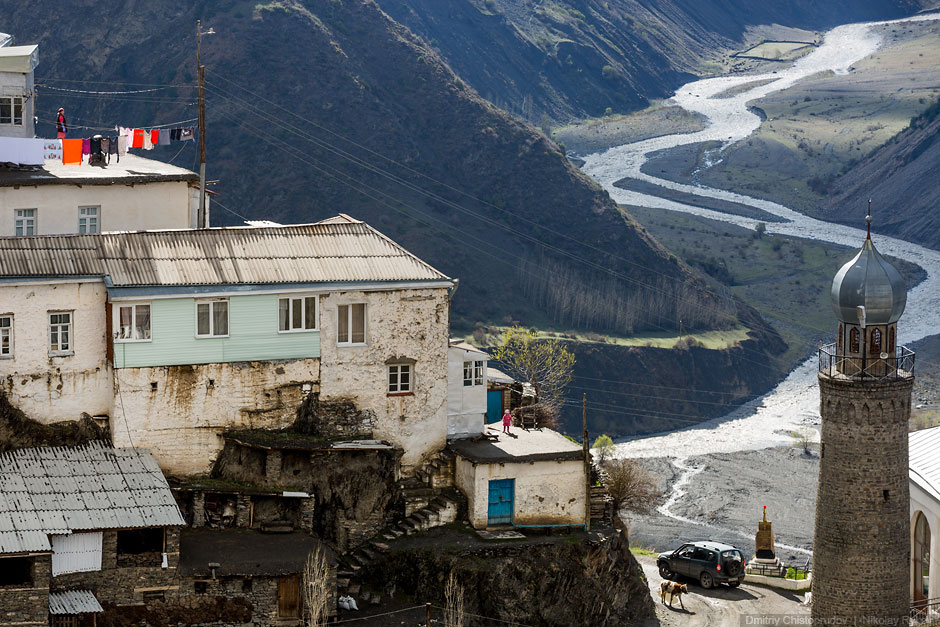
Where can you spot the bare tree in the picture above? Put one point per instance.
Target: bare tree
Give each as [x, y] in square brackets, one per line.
[317, 588]
[546, 364]
[630, 486]
[802, 438]
[453, 602]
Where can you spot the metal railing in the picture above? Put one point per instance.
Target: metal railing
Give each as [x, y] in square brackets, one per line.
[925, 611]
[900, 365]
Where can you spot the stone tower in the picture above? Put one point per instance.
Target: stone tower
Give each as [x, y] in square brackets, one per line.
[861, 551]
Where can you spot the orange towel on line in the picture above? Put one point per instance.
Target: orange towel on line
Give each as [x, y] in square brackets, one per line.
[71, 151]
[138, 141]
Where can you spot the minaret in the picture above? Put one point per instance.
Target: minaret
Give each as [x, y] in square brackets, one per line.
[861, 551]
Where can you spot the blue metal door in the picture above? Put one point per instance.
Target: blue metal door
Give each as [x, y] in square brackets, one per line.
[494, 405]
[501, 501]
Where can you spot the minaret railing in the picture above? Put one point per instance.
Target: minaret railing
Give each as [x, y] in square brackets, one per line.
[900, 365]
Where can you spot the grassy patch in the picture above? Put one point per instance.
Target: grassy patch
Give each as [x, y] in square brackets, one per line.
[636, 550]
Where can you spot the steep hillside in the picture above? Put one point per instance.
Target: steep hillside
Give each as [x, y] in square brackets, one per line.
[901, 180]
[529, 236]
[569, 59]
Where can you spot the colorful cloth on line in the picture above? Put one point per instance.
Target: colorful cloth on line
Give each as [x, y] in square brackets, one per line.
[72, 151]
[187, 134]
[138, 141]
[86, 146]
[52, 149]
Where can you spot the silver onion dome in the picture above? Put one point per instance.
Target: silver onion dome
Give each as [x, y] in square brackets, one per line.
[868, 280]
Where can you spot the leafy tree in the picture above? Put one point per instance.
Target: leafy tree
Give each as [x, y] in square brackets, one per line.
[546, 364]
[605, 447]
[759, 230]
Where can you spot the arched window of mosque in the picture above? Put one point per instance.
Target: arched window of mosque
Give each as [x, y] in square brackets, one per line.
[875, 342]
[921, 557]
[853, 340]
[891, 340]
[839, 341]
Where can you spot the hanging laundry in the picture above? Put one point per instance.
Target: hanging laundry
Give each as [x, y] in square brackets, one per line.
[22, 150]
[72, 151]
[164, 137]
[188, 134]
[148, 140]
[105, 145]
[155, 136]
[138, 141]
[121, 146]
[175, 134]
[52, 149]
[94, 146]
[112, 145]
[86, 146]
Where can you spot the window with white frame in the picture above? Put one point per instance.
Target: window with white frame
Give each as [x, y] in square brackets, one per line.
[351, 324]
[24, 222]
[132, 323]
[211, 318]
[400, 379]
[11, 110]
[60, 333]
[6, 336]
[88, 220]
[296, 313]
[473, 373]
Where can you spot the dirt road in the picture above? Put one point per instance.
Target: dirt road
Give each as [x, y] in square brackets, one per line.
[722, 605]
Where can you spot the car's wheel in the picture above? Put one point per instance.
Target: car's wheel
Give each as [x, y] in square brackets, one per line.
[706, 580]
[664, 571]
[733, 567]
[734, 584]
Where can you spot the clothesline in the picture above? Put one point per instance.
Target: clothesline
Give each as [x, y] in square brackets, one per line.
[85, 91]
[111, 128]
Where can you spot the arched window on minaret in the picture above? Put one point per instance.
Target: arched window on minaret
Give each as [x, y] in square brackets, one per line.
[891, 340]
[853, 340]
[875, 342]
[839, 341]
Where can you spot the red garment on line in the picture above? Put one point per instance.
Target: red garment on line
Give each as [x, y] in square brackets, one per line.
[155, 136]
[71, 151]
[138, 140]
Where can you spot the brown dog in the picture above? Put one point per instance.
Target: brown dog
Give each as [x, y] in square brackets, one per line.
[674, 590]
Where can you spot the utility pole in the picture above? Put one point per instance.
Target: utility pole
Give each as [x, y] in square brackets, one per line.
[587, 465]
[202, 219]
[427, 614]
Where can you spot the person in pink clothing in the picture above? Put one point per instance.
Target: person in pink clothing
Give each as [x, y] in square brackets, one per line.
[507, 421]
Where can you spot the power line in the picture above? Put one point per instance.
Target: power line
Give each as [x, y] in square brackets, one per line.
[123, 83]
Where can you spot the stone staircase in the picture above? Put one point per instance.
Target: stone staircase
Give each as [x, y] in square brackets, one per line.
[427, 481]
[440, 510]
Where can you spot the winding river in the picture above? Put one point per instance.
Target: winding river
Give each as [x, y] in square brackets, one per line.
[768, 420]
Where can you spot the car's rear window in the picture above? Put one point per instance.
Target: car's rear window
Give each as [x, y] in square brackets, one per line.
[731, 554]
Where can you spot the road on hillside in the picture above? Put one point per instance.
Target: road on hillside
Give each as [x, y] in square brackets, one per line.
[721, 605]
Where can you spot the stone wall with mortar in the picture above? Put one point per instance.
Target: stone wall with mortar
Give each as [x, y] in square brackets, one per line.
[406, 325]
[861, 550]
[56, 388]
[179, 412]
[546, 492]
[28, 605]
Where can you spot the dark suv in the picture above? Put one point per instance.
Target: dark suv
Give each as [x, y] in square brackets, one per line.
[711, 563]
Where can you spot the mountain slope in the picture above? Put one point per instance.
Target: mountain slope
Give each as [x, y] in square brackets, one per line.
[569, 59]
[900, 178]
[530, 237]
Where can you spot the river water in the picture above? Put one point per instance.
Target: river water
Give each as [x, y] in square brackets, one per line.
[794, 402]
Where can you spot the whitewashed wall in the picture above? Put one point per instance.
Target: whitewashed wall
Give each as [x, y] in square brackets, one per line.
[466, 405]
[410, 324]
[52, 389]
[138, 207]
[930, 506]
[547, 493]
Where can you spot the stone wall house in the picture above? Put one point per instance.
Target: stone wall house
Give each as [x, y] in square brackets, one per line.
[174, 337]
[924, 472]
[17, 87]
[80, 527]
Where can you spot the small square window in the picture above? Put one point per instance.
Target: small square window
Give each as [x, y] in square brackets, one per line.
[24, 222]
[60, 333]
[473, 373]
[212, 318]
[201, 587]
[399, 379]
[351, 324]
[88, 220]
[11, 110]
[132, 323]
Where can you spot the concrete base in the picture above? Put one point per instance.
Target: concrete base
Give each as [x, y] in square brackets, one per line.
[793, 585]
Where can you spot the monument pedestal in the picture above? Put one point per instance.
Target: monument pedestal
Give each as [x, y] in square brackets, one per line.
[765, 560]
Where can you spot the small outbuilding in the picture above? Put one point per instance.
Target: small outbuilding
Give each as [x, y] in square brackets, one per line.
[924, 472]
[529, 478]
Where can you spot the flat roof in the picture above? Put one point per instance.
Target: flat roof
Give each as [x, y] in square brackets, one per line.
[245, 552]
[130, 169]
[520, 447]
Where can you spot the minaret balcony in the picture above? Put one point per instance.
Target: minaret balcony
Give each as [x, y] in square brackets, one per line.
[887, 366]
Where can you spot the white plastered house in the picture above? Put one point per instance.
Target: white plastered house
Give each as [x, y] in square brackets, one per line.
[924, 469]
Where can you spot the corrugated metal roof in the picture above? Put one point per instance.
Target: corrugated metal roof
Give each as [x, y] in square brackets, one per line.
[337, 250]
[53, 490]
[924, 459]
[73, 602]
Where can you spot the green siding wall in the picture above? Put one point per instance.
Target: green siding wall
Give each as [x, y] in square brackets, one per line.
[253, 336]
